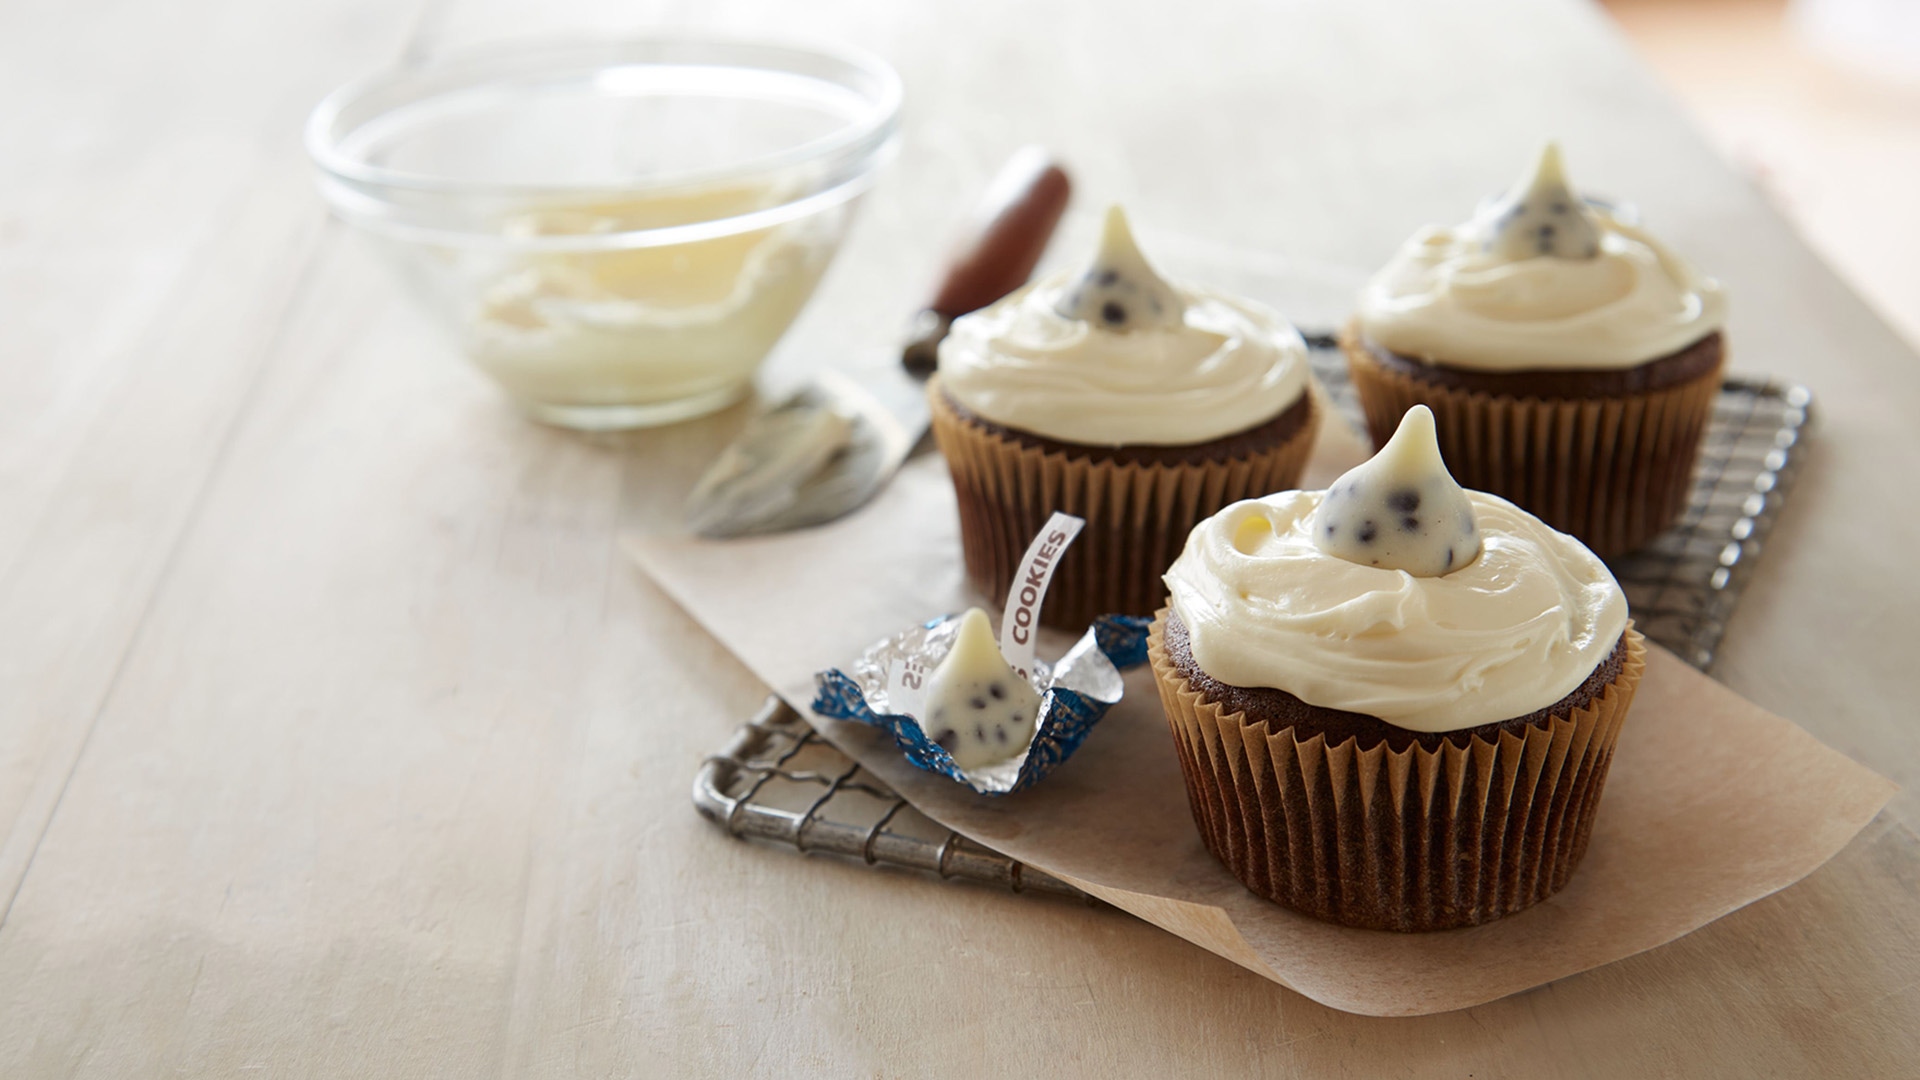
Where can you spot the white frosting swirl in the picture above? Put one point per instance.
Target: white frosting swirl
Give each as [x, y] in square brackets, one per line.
[1513, 632]
[1446, 297]
[1230, 365]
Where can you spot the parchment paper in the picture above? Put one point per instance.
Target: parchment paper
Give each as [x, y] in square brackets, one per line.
[1712, 802]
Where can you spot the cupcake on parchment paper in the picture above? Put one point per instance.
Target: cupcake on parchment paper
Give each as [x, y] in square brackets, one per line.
[1570, 358]
[1115, 396]
[1394, 701]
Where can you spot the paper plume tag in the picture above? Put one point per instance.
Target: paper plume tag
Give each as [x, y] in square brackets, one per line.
[1019, 622]
[906, 681]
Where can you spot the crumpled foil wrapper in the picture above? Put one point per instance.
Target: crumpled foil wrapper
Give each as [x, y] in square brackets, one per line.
[1075, 692]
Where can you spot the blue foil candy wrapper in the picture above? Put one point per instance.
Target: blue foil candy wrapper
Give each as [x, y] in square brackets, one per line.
[1075, 692]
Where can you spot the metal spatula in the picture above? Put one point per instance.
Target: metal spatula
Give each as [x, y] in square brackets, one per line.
[830, 446]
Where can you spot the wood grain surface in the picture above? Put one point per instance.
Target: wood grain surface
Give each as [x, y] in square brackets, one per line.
[338, 739]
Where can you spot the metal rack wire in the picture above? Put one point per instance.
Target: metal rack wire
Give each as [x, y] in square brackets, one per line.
[777, 780]
[1683, 586]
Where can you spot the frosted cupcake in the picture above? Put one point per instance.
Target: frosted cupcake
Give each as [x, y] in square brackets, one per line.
[1112, 394]
[1394, 701]
[1570, 358]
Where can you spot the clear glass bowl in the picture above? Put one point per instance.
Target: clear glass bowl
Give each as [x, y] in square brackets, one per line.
[617, 233]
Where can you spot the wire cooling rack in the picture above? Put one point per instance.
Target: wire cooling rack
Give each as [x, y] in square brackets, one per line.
[1682, 587]
[777, 780]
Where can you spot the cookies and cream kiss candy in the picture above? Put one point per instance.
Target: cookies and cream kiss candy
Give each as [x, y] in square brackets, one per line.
[1119, 290]
[1541, 215]
[1400, 510]
[976, 706]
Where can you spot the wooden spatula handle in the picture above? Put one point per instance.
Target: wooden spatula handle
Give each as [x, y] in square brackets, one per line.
[1010, 228]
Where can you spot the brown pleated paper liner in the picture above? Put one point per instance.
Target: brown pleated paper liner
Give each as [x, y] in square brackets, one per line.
[1614, 472]
[1422, 839]
[1138, 514]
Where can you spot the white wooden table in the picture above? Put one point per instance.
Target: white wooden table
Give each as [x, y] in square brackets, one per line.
[338, 739]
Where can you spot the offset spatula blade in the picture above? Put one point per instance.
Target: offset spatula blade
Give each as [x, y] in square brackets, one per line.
[816, 456]
[825, 450]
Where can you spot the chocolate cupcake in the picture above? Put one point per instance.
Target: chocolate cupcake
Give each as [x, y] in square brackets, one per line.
[1394, 701]
[1570, 358]
[1115, 396]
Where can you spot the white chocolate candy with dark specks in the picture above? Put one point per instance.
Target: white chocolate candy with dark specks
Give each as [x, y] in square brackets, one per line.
[1119, 290]
[1541, 215]
[1400, 510]
[977, 706]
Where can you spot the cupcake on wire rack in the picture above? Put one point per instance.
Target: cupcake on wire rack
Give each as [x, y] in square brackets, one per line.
[1394, 701]
[1116, 396]
[1571, 360]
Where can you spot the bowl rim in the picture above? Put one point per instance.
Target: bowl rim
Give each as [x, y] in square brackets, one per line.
[866, 138]
[369, 214]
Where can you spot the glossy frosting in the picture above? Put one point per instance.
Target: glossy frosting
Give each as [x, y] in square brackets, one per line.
[1512, 632]
[1178, 365]
[1400, 510]
[1540, 279]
